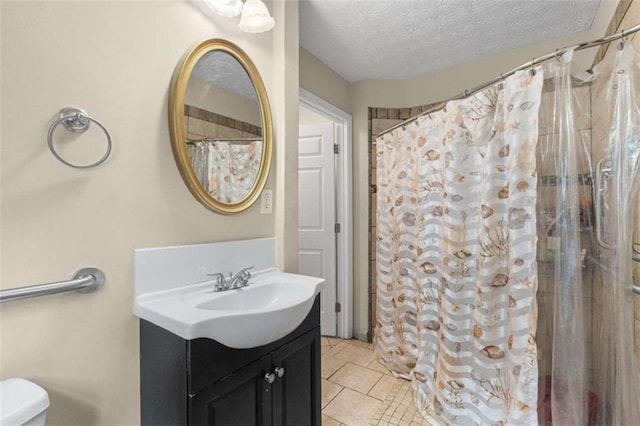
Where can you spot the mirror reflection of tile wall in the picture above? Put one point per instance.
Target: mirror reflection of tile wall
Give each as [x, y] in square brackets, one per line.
[200, 124]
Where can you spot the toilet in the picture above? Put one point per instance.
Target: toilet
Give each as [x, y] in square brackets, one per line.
[22, 403]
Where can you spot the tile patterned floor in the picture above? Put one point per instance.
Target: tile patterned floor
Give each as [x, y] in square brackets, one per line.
[358, 391]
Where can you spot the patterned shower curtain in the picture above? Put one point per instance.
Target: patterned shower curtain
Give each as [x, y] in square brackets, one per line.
[456, 255]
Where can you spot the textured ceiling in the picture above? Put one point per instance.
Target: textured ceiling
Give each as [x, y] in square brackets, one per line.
[400, 39]
[223, 70]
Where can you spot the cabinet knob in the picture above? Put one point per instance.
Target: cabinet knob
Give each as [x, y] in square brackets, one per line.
[279, 371]
[270, 377]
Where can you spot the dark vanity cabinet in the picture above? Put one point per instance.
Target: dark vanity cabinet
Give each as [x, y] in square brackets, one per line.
[201, 382]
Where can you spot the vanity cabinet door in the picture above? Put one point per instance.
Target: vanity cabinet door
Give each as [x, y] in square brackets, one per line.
[296, 393]
[242, 398]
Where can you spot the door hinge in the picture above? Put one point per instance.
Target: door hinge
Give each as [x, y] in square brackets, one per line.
[374, 188]
[338, 307]
[337, 228]
[336, 148]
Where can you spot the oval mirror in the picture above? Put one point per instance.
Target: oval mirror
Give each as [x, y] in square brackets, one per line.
[220, 125]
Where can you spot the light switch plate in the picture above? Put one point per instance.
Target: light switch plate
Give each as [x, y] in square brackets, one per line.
[266, 202]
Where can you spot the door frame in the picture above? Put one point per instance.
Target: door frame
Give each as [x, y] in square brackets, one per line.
[344, 206]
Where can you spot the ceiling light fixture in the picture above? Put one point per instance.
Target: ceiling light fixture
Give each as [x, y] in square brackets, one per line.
[255, 17]
[228, 8]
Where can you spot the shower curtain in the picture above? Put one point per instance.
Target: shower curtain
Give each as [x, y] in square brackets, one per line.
[226, 170]
[456, 255]
[476, 207]
[564, 226]
[617, 379]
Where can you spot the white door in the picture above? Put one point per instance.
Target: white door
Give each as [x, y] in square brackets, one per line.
[316, 215]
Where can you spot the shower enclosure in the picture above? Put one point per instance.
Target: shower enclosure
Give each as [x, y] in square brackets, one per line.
[504, 249]
[587, 194]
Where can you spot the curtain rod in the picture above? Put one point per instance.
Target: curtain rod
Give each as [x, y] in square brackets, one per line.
[530, 64]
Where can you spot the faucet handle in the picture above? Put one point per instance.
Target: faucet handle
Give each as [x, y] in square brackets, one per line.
[245, 272]
[220, 276]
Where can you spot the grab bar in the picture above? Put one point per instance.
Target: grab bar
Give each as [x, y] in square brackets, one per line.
[85, 280]
[603, 171]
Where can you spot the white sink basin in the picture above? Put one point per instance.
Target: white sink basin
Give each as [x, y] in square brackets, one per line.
[271, 307]
[266, 296]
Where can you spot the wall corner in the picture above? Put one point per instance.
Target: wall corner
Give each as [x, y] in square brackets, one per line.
[285, 106]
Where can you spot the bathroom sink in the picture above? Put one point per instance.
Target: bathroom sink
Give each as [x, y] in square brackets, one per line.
[271, 295]
[270, 307]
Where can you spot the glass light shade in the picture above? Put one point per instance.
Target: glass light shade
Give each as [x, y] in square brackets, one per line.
[228, 8]
[255, 17]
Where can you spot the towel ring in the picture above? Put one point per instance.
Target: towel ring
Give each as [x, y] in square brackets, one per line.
[78, 121]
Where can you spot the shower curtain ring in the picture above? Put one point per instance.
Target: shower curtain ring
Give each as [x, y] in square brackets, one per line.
[622, 36]
[533, 63]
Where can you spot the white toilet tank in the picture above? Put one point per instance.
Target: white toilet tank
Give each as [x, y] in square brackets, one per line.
[22, 403]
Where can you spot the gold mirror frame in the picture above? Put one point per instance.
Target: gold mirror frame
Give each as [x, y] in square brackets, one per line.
[177, 94]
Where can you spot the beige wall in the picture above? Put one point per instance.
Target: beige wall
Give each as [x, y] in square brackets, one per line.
[365, 94]
[324, 82]
[115, 59]
[285, 106]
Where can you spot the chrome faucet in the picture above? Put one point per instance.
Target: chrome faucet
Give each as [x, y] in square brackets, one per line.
[237, 280]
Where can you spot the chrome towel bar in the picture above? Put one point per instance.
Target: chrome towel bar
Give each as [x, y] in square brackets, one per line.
[85, 280]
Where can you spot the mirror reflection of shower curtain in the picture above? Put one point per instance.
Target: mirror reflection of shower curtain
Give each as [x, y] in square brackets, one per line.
[618, 121]
[456, 255]
[226, 170]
